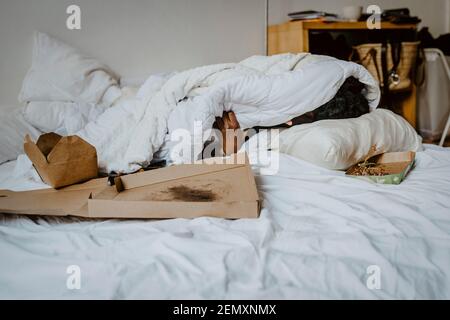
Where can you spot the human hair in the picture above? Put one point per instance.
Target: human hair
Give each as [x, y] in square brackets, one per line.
[349, 102]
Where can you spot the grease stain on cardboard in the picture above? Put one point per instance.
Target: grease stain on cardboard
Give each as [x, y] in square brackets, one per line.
[185, 193]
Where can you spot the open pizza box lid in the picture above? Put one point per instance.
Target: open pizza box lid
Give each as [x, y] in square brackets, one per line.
[184, 191]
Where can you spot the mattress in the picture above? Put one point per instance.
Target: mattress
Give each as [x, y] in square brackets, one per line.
[320, 235]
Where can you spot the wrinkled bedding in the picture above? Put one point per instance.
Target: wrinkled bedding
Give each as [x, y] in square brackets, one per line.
[172, 113]
[261, 91]
[13, 128]
[318, 233]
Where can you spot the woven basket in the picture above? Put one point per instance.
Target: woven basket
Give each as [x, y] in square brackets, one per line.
[407, 63]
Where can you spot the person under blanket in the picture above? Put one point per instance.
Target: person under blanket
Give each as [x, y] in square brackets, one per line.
[349, 102]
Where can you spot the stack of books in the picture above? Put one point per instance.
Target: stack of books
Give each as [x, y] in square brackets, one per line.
[313, 15]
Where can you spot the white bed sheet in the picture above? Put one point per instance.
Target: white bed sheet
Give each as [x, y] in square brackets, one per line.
[318, 233]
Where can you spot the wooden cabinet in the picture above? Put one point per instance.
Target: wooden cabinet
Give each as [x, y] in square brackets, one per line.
[294, 36]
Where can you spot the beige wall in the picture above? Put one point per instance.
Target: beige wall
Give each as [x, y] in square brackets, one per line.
[134, 37]
[137, 37]
[434, 13]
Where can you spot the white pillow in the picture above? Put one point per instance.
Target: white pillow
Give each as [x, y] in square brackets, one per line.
[13, 129]
[61, 73]
[64, 118]
[339, 144]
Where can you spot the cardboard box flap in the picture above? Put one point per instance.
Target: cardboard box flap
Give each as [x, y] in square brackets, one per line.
[180, 171]
[34, 153]
[168, 174]
[71, 201]
[71, 148]
[395, 162]
[391, 157]
[47, 142]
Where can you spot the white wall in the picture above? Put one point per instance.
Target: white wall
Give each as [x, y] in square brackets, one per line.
[134, 37]
[447, 14]
[434, 13]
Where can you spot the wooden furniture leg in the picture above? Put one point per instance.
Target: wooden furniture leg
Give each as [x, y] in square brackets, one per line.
[409, 107]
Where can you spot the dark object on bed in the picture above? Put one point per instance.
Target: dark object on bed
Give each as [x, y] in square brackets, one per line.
[152, 166]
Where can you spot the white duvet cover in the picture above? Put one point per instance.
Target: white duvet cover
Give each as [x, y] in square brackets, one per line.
[262, 91]
[13, 128]
[318, 236]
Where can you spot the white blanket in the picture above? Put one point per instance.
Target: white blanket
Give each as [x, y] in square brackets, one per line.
[260, 90]
[318, 234]
[13, 127]
[64, 88]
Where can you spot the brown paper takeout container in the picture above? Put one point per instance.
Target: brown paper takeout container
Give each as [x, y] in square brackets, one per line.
[183, 191]
[62, 161]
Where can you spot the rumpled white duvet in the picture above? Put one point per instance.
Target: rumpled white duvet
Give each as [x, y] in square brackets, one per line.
[262, 91]
[318, 236]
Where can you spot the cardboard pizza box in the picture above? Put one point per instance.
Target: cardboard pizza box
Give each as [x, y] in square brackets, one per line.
[213, 189]
[69, 201]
